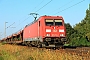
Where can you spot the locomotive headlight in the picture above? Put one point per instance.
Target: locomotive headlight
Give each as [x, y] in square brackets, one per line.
[48, 30]
[61, 34]
[61, 30]
[47, 34]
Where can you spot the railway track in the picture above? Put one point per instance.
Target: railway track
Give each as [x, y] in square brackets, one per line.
[84, 52]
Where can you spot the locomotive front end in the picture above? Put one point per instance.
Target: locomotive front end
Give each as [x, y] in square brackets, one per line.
[55, 32]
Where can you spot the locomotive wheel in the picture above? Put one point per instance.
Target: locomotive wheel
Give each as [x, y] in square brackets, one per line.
[39, 45]
[29, 45]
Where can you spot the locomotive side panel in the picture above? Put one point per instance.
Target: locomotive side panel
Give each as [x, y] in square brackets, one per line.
[41, 29]
[30, 32]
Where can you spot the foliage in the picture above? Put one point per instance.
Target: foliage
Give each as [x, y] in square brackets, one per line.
[77, 35]
[1, 58]
[69, 31]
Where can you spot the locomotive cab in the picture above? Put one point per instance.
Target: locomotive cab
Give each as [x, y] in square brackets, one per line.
[55, 32]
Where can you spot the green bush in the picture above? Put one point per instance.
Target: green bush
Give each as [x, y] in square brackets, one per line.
[80, 42]
[1, 58]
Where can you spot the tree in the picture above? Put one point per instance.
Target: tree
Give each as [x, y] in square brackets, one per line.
[77, 35]
[69, 31]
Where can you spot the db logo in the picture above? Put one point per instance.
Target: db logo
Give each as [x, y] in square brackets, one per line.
[54, 30]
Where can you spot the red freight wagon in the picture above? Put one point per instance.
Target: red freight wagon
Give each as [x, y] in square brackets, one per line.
[46, 31]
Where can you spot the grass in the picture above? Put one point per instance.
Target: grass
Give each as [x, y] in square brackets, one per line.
[1, 58]
[13, 52]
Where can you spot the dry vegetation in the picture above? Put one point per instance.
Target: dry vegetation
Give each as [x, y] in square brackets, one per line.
[14, 52]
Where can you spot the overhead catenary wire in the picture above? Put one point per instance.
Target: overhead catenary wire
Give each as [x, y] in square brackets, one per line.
[38, 5]
[63, 5]
[29, 16]
[23, 21]
[37, 10]
[70, 7]
[32, 10]
[20, 24]
[49, 2]
[44, 5]
[10, 25]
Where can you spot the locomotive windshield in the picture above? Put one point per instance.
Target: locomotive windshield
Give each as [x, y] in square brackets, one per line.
[58, 22]
[49, 22]
[55, 22]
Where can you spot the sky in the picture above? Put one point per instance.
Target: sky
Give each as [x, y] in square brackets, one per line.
[17, 12]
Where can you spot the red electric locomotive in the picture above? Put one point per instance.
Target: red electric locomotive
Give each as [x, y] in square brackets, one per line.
[47, 31]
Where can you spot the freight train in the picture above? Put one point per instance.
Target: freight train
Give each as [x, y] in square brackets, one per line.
[46, 31]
